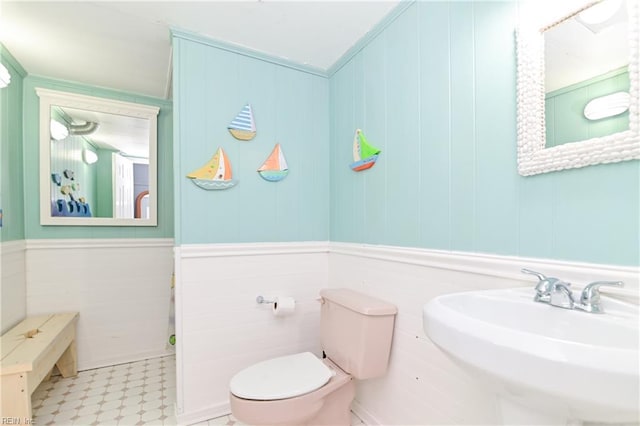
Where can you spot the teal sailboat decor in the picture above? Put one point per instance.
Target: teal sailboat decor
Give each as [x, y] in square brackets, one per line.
[364, 154]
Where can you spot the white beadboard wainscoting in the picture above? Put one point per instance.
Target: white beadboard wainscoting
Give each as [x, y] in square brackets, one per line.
[423, 386]
[120, 287]
[221, 329]
[14, 285]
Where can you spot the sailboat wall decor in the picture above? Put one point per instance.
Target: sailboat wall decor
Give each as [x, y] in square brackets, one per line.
[216, 174]
[275, 167]
[243, 127]
[364, 155]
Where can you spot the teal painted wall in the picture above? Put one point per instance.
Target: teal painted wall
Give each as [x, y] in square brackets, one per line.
[104, 188]
[564, 110]
[436, 92]
[11, 190]
[33, 229]
[291, 107]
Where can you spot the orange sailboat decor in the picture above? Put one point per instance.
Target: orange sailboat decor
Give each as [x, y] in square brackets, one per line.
[216, 174]
[275, 167]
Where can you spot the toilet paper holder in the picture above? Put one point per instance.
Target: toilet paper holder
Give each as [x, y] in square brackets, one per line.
[261, 299]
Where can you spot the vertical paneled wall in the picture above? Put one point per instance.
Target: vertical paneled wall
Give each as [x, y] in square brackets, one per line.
[13, 294]
[436, 92]
[33, 229]
[13, 291]
[220, 328]
[121, 289]
[11, 190]
[291, 107]
[66, 154]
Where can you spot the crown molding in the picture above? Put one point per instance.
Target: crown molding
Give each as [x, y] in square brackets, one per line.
[13, 62]
[245, 51]
[328, 73]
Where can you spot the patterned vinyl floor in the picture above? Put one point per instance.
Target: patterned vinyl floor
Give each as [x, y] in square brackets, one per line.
[133, 394]
[137, 393]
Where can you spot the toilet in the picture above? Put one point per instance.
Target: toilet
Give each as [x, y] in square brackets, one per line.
[301, 389]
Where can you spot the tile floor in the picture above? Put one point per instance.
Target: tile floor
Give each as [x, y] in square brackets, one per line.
[136, 393]
[132, 394]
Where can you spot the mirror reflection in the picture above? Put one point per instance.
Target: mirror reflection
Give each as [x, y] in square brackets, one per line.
[99, 163]
[586, 74]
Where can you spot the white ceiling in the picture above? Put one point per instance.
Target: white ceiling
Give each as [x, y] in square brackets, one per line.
[573, 53]
[126, 45]
[127, 135]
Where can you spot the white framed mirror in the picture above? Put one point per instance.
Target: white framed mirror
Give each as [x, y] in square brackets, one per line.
[568, 60]
[97, 156]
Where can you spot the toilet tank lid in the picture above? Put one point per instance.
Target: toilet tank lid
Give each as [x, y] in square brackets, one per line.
[358, 302]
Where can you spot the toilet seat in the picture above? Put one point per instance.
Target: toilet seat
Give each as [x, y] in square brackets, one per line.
[280, 378]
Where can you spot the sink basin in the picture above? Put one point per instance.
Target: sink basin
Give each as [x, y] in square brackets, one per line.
[546, 364]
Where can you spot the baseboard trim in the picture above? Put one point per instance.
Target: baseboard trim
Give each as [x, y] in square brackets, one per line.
[124, 359]
[365, 415]
[210, 412]
[89, 243]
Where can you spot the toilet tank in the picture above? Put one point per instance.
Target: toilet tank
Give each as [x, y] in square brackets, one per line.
[356, 331]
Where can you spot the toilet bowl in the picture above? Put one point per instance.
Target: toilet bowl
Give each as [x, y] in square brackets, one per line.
[328, 404]
[301, 389]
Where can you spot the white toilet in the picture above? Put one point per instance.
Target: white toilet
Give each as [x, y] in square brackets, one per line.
[301, 389]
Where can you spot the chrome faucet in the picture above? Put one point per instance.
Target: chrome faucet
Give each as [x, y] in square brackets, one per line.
[546, 286]
[590, 297]
[557, 293]
[561, 295]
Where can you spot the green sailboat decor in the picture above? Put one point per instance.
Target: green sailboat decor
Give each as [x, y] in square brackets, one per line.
[364, 154]
[215, 174]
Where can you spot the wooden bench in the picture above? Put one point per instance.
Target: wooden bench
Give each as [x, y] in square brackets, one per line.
[29, 352]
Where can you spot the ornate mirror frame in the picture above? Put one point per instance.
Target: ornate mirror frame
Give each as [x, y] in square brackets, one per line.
[49, 98]
[533, 157]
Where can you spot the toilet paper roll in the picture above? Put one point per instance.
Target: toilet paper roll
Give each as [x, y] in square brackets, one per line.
[283, 306]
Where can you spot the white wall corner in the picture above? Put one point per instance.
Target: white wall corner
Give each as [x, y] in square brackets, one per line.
[13, 294]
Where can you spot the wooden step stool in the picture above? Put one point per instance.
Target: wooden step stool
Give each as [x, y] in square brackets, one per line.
[29, 352]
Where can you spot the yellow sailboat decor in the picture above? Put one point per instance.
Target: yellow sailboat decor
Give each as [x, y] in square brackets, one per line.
[275, 167]
[216, 174]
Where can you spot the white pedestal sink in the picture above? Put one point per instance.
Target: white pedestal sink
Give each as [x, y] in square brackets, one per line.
[547, 365]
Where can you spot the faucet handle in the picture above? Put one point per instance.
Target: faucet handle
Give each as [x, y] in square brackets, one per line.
[545, 284]
[591, 294]
[540, 276]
